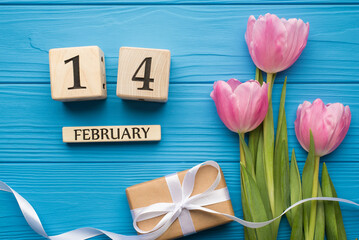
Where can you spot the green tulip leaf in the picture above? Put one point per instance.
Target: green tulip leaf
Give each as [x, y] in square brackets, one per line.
[334, 225]
[297, 225]
[261, 177]
[249, 233]
[259, 76]
[281, 129]
[281, 162]
[253, 142]
[278, 194]
[268, 147]
[320, 218]
[248, 156]
[338, 213]
[295, 191]
[330, 217]
[307, 183]
[284, 166]
[255, 204]
[254, 135]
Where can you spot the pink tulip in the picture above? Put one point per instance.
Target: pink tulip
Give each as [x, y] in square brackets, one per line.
[241, 106]
[275, 44]
[329, 125]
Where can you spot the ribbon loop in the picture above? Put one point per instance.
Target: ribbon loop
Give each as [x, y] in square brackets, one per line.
[183, 201]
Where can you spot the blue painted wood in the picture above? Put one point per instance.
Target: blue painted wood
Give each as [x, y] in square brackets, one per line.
[214, 50]
[83, 184]
[192, 131]
[94, 195]
[173, 2]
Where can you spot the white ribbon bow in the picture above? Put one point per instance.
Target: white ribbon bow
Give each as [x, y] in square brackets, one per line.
[183, 202]
[172, 211]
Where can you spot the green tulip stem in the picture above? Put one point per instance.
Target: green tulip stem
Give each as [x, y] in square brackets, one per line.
[270, 81]
[313, 208]
[268, 147]
[241, 150]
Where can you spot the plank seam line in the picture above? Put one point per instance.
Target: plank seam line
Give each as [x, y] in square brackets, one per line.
[178, 4]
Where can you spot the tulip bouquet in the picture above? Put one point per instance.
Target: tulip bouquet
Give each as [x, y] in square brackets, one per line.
[268, 184]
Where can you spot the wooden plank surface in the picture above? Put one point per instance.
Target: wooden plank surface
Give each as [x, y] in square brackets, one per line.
[76, 185]
[191, 129]
[214, 50]
[174, 2]
[94, 195]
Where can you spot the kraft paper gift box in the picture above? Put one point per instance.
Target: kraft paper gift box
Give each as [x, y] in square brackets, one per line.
[157, 191]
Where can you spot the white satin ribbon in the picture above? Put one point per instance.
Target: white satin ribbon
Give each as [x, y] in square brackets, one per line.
[185, 220]
[182, 201]
[178, 209]
[171, 211]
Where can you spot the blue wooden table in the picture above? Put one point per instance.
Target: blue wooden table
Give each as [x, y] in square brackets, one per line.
[77, 185]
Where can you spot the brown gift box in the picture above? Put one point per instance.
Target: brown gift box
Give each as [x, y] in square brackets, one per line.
[156, 191]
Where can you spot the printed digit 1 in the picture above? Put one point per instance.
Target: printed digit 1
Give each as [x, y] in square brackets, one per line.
[146, 78]
[76, 69]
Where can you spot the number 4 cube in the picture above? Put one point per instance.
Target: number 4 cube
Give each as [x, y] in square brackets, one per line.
[77, 73]
[143, 74]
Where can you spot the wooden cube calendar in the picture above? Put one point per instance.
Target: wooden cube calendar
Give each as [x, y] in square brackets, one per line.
[77, 73]
[143, 74]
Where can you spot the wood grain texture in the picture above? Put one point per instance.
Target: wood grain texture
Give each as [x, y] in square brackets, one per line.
[143, 74]
[74, 186]
[94, 195]
[77, 73]
[206, 42]
[191, 128]
[173, 2]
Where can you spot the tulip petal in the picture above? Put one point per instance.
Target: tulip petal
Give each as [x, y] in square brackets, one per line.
[234, 83]
[297, 38]
[251, 105]
[222, 94]
[275, 44]
[268, 43]
[248, 34]
[342, 125]
[328, 123]
[241, 106]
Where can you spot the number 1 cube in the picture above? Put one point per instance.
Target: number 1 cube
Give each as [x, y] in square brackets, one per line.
[77, 73]
[143, 74]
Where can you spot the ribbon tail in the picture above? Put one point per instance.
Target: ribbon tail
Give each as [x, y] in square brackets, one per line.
[265, 223]
[27, 210]
[86, 233]
[34, 222]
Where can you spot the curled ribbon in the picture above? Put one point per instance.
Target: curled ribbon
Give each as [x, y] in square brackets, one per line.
[171, 211]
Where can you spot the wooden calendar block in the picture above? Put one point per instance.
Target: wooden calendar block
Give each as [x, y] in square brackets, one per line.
[143, 74]
[111, 134]
[77, 73]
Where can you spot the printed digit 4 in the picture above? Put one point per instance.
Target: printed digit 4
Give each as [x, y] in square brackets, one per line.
[146, 78]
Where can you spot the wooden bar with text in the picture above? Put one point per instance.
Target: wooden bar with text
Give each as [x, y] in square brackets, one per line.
[111, 133]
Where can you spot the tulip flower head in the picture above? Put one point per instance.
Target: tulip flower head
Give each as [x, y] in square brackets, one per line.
[240, 106]
[329, 125]
[275, 44]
